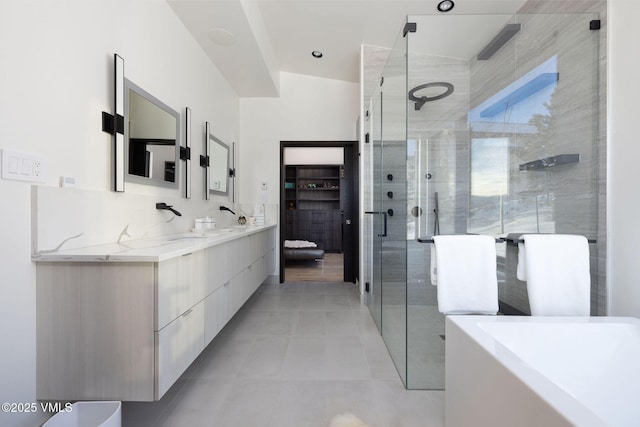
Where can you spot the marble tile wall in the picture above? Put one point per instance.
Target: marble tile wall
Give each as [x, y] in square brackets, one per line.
[598, 7]
[570, 198]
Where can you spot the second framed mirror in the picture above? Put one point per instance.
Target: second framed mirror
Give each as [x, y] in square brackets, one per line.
[218, 166]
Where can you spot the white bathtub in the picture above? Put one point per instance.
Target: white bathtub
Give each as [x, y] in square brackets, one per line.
[542, 371]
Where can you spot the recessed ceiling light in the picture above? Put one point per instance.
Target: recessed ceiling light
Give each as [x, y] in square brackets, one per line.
[221, 37]
[445, 5]
[316, 54]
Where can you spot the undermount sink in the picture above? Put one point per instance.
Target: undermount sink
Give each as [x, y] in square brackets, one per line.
[179, 238]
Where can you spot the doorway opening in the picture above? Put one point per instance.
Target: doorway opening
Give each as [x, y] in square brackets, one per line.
[319, 211]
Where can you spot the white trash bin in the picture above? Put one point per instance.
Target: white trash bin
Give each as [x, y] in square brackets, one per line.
[88, 414]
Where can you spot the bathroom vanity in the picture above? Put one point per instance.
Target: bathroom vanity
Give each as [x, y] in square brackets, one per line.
[124, 321]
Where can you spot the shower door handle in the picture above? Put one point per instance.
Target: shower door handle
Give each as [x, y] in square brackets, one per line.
[384, 233]
[384, 214]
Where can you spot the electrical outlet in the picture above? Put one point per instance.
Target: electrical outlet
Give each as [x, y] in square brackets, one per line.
[23, 167]
[67, 181]
[37, 168]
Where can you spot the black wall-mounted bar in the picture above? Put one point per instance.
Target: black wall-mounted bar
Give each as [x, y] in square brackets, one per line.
[108, 123]
[118, 136]
[498, 41]
[185, 153]
[548, 162]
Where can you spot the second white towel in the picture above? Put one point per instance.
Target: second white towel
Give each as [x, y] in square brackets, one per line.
[465, 273]
[556, 269]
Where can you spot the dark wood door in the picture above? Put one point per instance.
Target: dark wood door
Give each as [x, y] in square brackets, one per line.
[337, 228]
[350, 197]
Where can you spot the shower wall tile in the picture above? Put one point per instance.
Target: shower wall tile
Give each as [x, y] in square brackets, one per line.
[420, 291]
[573, 195]
[598, 7]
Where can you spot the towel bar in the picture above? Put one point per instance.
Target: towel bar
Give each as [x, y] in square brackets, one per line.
[515, 241]
[508, 241]
[430, 239]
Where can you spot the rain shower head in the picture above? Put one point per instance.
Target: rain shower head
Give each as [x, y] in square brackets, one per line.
[420, 101]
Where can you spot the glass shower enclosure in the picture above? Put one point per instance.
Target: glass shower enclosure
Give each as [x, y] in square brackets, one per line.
[480, 124]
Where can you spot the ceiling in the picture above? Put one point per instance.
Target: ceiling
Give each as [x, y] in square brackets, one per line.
[254, 40]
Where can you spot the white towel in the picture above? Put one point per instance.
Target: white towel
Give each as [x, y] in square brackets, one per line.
[556, 268]
[433, 270]
[521, 269]
[466, 274]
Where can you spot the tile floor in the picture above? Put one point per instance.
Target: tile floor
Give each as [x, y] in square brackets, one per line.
[295, 355]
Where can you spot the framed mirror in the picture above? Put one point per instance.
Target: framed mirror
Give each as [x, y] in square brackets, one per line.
[218, 166]
[152, 142]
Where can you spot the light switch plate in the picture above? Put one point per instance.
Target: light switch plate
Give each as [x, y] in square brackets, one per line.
[23, 167]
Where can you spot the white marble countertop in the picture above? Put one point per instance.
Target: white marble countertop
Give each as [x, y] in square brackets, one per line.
[154, 249]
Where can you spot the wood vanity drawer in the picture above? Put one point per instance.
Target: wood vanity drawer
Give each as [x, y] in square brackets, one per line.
[218, 270]
[217, 312]
[177, 345]
[181, 283]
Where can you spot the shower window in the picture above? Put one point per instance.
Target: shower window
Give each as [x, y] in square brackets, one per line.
[489, 185]
[510, 128]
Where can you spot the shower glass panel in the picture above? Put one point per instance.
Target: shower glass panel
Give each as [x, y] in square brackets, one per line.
[488, 124]
[389, 201]
[375, 293]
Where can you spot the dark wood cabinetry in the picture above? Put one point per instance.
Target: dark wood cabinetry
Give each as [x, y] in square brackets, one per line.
[313, 204]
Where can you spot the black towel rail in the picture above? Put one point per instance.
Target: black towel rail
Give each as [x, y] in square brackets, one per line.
[507, 240]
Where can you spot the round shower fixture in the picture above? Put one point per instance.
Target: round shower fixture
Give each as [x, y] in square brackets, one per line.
[420, 101]
[445, 6]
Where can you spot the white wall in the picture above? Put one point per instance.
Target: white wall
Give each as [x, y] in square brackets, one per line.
[314, 155]
[308, 109]
[55, 80]
[623, 196]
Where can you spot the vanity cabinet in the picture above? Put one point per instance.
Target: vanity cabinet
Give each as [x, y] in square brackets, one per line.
[128, 330]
